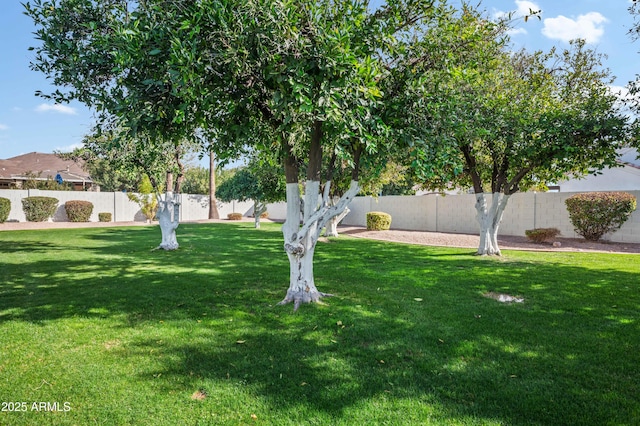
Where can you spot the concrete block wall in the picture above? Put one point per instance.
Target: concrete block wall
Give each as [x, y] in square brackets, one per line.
[120, 207]
[435, 213]
[457, 214]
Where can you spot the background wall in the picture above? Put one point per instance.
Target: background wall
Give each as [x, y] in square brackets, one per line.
[457, 213]
[435, 213]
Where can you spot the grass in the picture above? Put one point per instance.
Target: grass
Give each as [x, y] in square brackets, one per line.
[126, 336]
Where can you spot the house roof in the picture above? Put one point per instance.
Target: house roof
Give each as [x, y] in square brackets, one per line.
[49, 165]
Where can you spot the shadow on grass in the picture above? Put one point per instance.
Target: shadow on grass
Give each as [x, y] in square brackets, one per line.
[409, 324]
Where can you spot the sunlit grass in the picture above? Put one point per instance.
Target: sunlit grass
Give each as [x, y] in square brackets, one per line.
[127, 335]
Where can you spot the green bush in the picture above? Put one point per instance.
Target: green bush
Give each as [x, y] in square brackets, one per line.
[104, 217]
[234, 216]
[378, 221]
[594, 214]
[78, 210]
[5, 208]
[39, 209]
[541, 235]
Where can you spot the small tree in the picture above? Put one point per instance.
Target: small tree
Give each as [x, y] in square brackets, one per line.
[261, 182]
[145, 198]
[594, 214]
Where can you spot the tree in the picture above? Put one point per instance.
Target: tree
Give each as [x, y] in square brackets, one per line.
[213, 205]
[308, 75]
[512, 121]
[633, 100]
[115, 57]
[103, 171]
[145, 198]
[260, 181]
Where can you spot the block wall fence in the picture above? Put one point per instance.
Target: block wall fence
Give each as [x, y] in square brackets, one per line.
[434, 213]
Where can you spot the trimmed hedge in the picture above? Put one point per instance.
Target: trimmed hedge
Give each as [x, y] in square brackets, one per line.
[104, 217]
[5, 208]
[234, 216]
[594, 214]
[78, 210]
[541, 235]
[39, 209]
[378, 221]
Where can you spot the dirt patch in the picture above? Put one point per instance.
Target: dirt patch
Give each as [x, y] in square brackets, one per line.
[507, 242]
[503, 298]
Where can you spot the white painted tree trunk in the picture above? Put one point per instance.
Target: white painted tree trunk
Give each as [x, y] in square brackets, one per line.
[258, 209]
[169, 218]
[489, 218]
[300, 239]
[331, 229]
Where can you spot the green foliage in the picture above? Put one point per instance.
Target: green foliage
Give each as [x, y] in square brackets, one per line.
[542, 235]
[234, 216]
[39, 209]
[99, 53]
[378, 221]
[5, 209]
[35, 181]
[78, 210]
[499, 121]
[242, 186]
[105, 171]
[145, 198]
[594, 214]
[104, 217]
[196, 181]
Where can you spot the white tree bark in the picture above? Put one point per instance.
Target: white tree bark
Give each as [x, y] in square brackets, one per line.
[258, 209]
[169, 218]
[300, 239]
[331, 230]
[489, 218]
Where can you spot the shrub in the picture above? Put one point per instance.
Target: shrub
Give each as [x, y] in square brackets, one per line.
[104, 217]
[594, 214]
[39, 209]
[541, 235]
[5, 208]
[234, 216]
[378, 221]
[78, 210]
[146, 199]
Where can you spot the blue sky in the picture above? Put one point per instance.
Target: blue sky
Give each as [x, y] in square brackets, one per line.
[29, 123]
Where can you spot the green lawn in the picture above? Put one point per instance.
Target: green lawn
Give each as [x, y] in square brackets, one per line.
[125, 335]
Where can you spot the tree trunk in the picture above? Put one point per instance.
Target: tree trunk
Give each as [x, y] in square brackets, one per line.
[258, 209]
[169, 218]
[300, 240]
[331, 229]
[489, 219]
[213, 203]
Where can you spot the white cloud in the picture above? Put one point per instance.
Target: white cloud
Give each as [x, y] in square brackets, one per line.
[588, 27]
[69, 148]
[523, 8]
[4, 127]
[621, 91]
[626, 100]
[516, 31]
[62, 109]
[526, 7]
